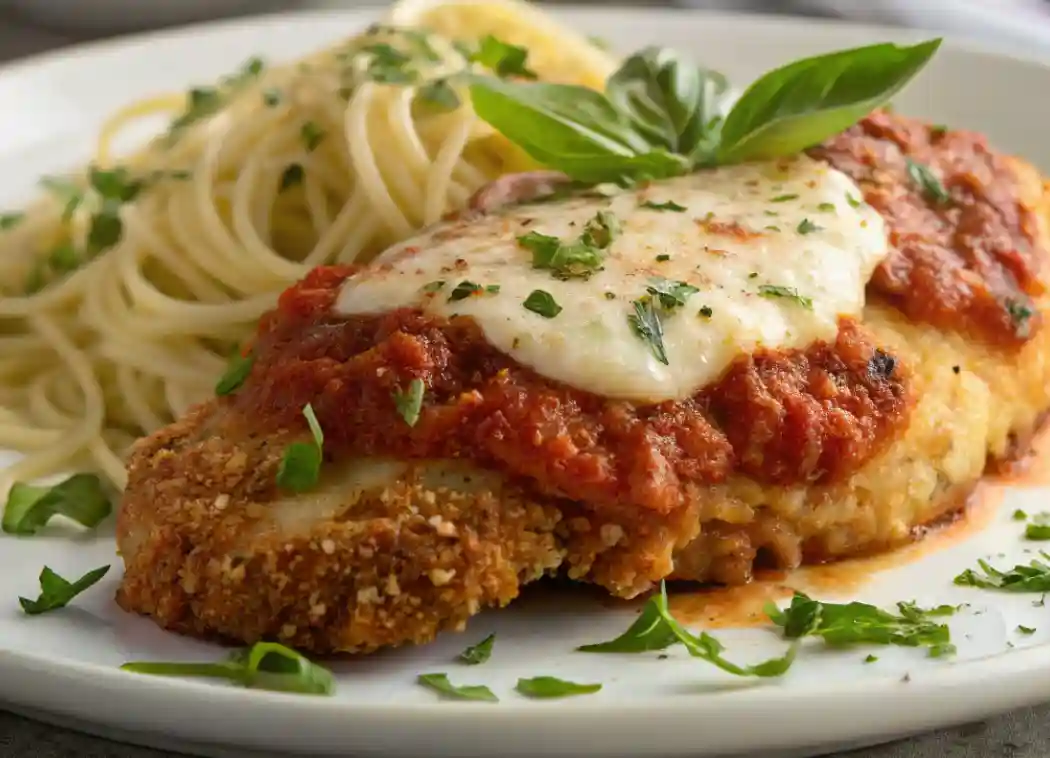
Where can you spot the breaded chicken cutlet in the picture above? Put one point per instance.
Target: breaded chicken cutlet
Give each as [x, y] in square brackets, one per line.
[810, 360]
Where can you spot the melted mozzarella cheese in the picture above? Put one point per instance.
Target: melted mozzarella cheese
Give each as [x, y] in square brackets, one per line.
[777, 251]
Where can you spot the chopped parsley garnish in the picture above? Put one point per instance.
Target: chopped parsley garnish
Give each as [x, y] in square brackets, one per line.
[440, 684]
[81, 498]
[105, 230]
[63, 258]
[783, 198]
[237, 370]
[10, 220]
[1037, 532]
[601, 230]
[1033, 577]
[860, 623]
[56, 592]
[263, 666]
[312, 135]
[434, 286]
[576, 260]
[871, 658]
[466, 289]
[439, 94]
[65, 192]
[773, 228]
[670, 205]
[657, 629]
[671, 294]
[389, 65]
[853, 202]
[806, 226]
[503, 58]
[1025, 629]
[301, 466]
[410, 402]
[706, 311]
[551, 687]
[826, 207]
[645, 323]
[1020, 515]
[542, 303]
[272, 97]
[292, 176]
[478, 653]
[928, 182]
[201, 102]
[663, 258]
[1019, 314]
[775, 290]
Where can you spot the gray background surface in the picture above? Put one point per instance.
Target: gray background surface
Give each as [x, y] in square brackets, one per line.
[1025, 734]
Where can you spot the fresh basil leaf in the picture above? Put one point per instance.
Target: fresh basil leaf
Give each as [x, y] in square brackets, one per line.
[799, 105]
[572, 129]
[479, 653]
[440, 684]
[265, 666]
[551, 687]
[56, 592]
[503, 58]
[410, 402]
[81, 498]
[674, 103]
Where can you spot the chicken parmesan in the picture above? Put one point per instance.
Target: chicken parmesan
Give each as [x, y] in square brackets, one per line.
[759, 363]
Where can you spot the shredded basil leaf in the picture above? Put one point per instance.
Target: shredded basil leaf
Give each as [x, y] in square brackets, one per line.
[264, 666]
[1033, 577]
[552, 687]
[861, 623]
[440, 684]
[300, 468]
[238, 369]
[81, 498]
[807, 227]
[478, 653]
[410, 402]
[57, 592]
[670, 205]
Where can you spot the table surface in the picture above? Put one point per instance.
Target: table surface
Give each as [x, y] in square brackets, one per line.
[1025, 734]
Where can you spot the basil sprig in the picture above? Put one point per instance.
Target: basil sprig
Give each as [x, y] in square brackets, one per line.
[662, 116]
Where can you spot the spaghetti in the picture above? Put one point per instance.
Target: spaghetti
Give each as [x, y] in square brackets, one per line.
[123, 290]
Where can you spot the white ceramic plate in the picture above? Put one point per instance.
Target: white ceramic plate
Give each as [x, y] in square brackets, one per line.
[66, 663]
